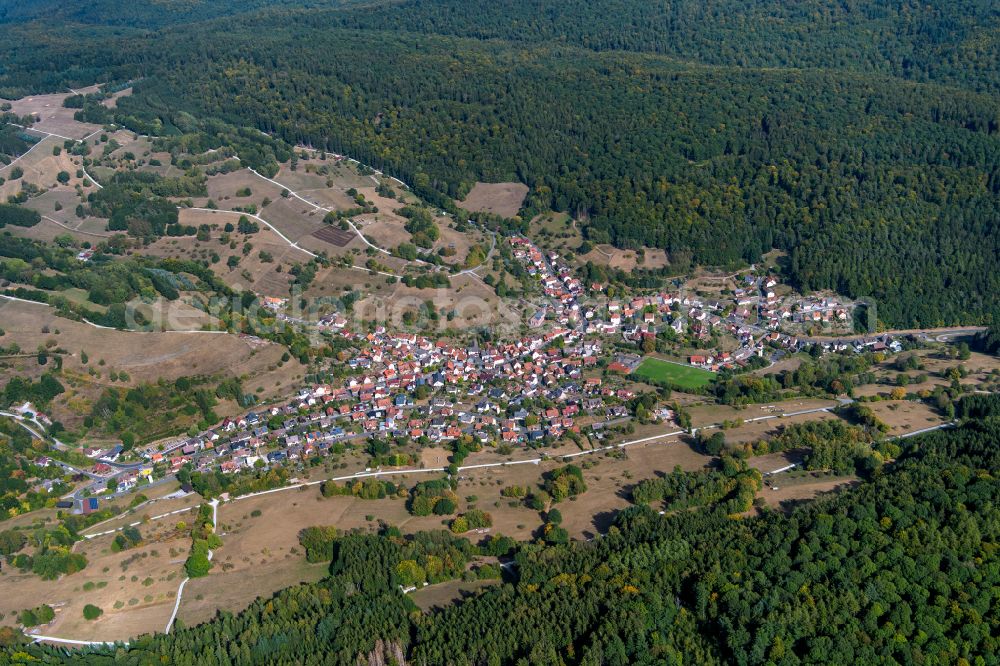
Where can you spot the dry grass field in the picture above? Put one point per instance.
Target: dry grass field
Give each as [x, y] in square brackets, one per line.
[626, 260]
[293, 218]
[235, 590]
[760, 430]
[341, 174]
[224, 189]
[90, 230]
[498, 198]
[139, 146]
[442, 595]
[41, 167]
[135, 588]
[710, 413]
[556, 232]
[264, 278]
[54, 118]
[905, 416]
[787, 491]
[146, 357]
[983, 371]
[112, 102]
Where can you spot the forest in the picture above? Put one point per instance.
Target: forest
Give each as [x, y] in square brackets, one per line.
[874, 164]
[901, 568]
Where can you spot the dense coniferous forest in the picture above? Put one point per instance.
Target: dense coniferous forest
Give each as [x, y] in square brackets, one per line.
[902, 568]
[862, 138]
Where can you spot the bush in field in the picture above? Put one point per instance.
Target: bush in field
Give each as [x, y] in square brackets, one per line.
[471, 520]
[35, 616]
[426, 495]
[565, 482]
[318, 542]
[198, 564]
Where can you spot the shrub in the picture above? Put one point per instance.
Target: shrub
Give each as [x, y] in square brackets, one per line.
[198, 564]
[11, 542]
[471, 520]
[92, 612]
[565, 482]
[41, 615]
[318, 542]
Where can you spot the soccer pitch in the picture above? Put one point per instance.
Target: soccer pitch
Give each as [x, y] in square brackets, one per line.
[684, 376]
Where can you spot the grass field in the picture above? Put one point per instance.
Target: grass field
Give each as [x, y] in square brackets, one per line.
[675, 373]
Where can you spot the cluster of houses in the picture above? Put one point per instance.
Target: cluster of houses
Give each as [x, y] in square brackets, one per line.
[407, 386]
[403, 385]
[773, 311]
[556, 277]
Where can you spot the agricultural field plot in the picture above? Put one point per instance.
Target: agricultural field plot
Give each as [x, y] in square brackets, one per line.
[233, 591]
[555, 232]
[293, 218]
[762, 430]
[54, 118]
[140, 147]
[60, 205]
[164, 499]
[982, 371]
[708, 413]
[461, 242]
[328, 197]
[89, 230]
[503, 199]
[306, 179]
[790, 363]
[335, 236]
[684, 376]
[383, 231]
[978, 365]
[182, 314]
[165, 168]
[342, 172]
[884, 390]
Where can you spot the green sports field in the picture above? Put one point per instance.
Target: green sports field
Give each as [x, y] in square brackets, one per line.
[684, 376]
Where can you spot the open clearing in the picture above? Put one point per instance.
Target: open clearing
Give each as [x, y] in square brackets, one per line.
[794, 489]
[498, 198]
[708, 413]
[684, 376]
[626, 260]
[235, 590]
[53, 116]
[229, 190]
[442, 595]
[903, 416]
